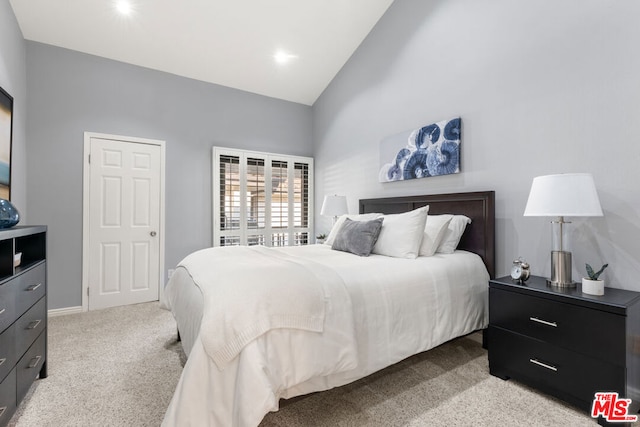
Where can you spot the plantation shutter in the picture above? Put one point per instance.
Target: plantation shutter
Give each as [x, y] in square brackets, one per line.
[261, 198]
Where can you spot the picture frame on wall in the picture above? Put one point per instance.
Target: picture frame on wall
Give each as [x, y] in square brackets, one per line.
[6, 133]
[431, 150]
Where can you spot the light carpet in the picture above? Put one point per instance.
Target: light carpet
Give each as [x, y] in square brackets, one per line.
[119, 367]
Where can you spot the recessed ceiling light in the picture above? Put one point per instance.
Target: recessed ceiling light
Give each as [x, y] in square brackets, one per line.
[282, 57]
[124, 7]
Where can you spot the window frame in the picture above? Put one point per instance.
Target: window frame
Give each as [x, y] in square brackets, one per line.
[268, 231]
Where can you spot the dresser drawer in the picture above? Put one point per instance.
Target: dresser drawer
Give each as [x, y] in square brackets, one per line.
[590, 332]
[29, 366]
[29, 326]
[30, 287]
[570, 376]
[7, 305]
[7, 398]
[7, 351]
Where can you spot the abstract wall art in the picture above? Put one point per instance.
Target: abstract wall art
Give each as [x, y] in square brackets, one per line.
[431, 150]
[6, 120]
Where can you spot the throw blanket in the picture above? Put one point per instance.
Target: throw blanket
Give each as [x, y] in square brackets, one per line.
[249, 290]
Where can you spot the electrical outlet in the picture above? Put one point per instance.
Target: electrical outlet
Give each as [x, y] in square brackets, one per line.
[170, 272]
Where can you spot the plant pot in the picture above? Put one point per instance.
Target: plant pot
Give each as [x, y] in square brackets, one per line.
[320, 241]
[592, 287]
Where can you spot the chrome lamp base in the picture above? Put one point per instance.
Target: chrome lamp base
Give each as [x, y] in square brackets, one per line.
[561, 270]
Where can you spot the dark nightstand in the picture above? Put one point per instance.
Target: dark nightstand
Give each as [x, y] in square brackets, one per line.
[565, 343]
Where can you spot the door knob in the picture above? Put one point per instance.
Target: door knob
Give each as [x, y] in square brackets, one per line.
[153, 234]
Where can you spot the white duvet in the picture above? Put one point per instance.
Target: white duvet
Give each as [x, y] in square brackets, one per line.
[251, 290]
[395, 308]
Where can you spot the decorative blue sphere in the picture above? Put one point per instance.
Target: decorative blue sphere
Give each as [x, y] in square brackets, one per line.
[9, 215]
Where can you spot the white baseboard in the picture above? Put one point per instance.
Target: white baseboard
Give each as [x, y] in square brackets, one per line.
[64, 311]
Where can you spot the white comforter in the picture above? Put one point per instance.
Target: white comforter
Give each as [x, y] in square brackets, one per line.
[398, 307]
[251, 290]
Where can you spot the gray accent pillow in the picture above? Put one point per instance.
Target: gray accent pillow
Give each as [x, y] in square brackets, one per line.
[357, 237]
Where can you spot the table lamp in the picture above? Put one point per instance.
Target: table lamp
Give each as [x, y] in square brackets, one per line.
[334, 206]
[562, 195]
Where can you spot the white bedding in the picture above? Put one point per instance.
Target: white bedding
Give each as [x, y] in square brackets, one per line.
[399, 307]
[251, 290]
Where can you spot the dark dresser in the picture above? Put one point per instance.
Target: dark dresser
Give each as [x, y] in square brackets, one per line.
[23, 314]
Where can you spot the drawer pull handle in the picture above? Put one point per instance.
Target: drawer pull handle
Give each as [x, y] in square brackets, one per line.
[33, 287]
[2, 361]
[544, 365]
[3, 310]
[544, 322]
[34, 362]
[34, 324]
[4, 408]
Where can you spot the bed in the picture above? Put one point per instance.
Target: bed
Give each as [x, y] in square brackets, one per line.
[354, 316]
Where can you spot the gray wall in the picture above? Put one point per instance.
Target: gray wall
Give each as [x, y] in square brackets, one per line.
[13, 80]
[542, 87]
[70, 93]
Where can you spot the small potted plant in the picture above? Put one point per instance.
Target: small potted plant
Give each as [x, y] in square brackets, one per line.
[592, 285]
[320, 238]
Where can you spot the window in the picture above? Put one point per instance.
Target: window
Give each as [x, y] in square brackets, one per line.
[261, 198]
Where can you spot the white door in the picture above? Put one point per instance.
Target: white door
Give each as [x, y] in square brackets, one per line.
[124, 221]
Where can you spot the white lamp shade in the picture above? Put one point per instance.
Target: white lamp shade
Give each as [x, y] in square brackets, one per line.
[569, 194]
[334, 205]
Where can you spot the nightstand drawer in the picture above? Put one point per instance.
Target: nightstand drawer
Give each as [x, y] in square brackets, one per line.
[552, 369]
[7, 305]
[29, 366]
[29, 326]
[7, 398]
[590, 332]
[30, 287]
[7, 352]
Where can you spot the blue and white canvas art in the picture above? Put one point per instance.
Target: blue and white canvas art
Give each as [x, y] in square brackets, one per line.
[431, 150]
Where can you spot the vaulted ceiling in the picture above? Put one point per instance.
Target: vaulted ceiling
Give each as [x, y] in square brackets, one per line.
[286, 49]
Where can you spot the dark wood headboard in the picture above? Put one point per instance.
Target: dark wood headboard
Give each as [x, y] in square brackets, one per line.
[479, 236]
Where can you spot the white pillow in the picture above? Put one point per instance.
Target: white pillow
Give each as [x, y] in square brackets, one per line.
[434, 231]
[401, 234]
[453, 234]
[336, 227]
